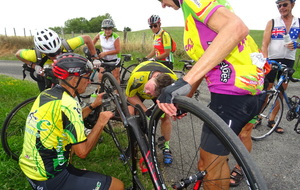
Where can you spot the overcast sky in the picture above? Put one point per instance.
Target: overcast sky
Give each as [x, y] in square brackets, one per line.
[35, 14]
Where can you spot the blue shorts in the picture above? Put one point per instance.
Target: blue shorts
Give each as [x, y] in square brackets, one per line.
[236, 111]
[72, 178]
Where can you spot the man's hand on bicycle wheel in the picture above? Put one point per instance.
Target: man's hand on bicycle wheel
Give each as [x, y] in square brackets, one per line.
[165, 100]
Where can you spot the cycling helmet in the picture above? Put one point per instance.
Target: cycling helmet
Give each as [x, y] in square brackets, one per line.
[278, 1]
[71, 64]
[108, 23]
[47, 41]
[154, 19]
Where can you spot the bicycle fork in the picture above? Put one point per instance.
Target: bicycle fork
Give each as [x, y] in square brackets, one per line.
[139, 137]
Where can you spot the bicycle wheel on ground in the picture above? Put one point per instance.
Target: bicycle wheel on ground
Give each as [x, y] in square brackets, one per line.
[126, 72]
[185, 144]
[273, 102]
[12, 134]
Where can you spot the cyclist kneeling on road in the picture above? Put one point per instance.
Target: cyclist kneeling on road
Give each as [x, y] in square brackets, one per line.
[146, 82]
[54, 127]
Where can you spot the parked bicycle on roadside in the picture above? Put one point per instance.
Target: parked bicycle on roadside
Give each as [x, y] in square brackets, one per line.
[273, 107]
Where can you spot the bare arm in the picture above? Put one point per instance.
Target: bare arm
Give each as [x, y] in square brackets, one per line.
[231, 31]
[266, 39]
[136, 100]
[84, 148]
[96, 38]
[89, 43]
[151, 54]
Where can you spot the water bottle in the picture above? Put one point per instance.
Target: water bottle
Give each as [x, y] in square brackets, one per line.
[93, 97]
[286, 39]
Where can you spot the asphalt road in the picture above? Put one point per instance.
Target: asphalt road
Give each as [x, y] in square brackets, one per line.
[277, 155]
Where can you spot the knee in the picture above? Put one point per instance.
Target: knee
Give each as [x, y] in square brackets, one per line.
[116, 184]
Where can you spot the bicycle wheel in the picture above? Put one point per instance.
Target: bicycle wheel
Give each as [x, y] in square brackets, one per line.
[126, 72]
[273, 102]
[118, 105]
[185, 145]
[12, 134]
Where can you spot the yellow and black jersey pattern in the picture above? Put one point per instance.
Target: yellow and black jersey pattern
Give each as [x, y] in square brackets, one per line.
[141, 75]
[54, 123]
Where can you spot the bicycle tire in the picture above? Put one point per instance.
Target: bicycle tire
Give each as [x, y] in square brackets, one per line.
[125, 75]
[261, 129]
[185, 143]
[12, 133]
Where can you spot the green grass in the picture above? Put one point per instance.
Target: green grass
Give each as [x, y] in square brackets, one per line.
[103, 159]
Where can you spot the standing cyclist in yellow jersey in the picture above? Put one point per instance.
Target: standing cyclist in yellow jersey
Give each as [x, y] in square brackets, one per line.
[110, 44]
[218, 41]
[55, 126]
[146, 82]
[47, 46]
[161, 51]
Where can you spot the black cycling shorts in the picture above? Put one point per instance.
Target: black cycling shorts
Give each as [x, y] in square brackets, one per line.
[272, 74]
[72, 178]
[236, 111]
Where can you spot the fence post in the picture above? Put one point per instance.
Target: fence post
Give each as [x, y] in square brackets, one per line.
[24, 32]
[15, 32]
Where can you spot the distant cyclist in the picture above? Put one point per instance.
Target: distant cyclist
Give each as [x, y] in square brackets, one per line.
[146, 82]
[161, 51]
[47, 46]
[110, 45]
[54, 128]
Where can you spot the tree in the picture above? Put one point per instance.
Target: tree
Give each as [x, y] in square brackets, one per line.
[77, 25]
[127, 29]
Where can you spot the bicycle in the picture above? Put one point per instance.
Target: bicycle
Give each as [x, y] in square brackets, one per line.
[12, 132]
[133, 135]
[274, 101]
[109, 66]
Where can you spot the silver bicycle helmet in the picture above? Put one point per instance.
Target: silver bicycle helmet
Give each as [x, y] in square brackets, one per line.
[278, 1]
[47, 41]
[154, 19]
[108, 23]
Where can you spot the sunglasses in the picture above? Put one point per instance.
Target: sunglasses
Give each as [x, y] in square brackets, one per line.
[282, 5]
[107, 28]
[54, 54]
[88, 78]
[154, 25]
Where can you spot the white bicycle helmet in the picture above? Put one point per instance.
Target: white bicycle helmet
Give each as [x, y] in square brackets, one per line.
[47, 41]
[154, 19]
[108, 23]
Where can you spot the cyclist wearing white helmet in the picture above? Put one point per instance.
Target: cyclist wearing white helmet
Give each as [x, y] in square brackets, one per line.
[110, 45]
[47, 46]
[55, 127]
[162, 44]
[275, 47]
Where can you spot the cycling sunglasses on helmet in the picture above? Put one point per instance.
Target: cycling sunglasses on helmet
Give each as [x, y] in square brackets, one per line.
[107, 28]
[54, 54]
[282, 5]
[154, 25]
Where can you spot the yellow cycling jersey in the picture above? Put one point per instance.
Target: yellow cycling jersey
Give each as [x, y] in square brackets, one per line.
[141, 75]
[162, 41]
[30, 54]
[54, 123]
[236, 74]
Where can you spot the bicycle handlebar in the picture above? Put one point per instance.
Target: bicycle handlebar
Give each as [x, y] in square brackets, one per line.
[285, 70]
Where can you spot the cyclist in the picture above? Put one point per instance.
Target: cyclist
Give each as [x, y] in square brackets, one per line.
[218, 41]
[111, 46]
[161, 43]
[54, 127]
[47, 46]
[275, 48]
[146, 82]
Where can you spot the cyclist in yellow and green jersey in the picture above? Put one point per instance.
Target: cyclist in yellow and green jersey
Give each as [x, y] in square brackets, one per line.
[162, 46]
[55, 126]
[146, 82]
[47, 46]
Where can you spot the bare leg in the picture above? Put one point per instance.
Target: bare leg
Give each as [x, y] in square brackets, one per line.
[116, 73]
[116, 184]
[216, 167]
[166, 127]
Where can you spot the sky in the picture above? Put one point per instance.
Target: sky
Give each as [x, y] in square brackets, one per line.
[34, 14]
